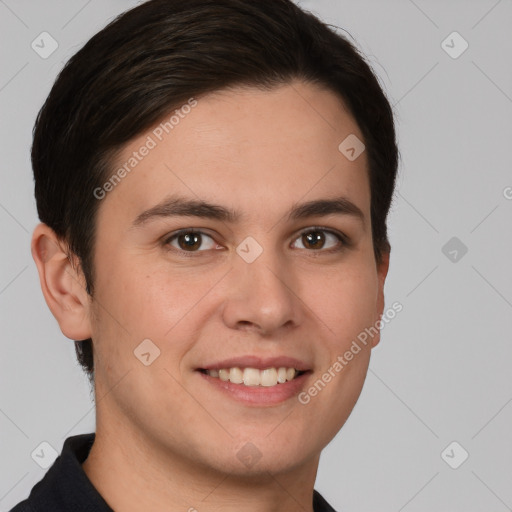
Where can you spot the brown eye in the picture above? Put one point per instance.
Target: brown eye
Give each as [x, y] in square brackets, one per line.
[313, 239]
[316, 239]
[189, 241]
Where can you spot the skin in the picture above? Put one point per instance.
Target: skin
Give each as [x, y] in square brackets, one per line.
[161, 428]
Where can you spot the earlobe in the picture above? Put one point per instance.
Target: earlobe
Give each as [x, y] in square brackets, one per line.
[382, 272]
[62, 285]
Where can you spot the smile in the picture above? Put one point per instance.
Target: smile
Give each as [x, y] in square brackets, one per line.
[254, 377]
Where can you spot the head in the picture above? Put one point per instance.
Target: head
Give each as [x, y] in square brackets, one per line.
[243, 105]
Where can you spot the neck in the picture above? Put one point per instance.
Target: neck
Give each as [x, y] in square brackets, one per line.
[132, 474]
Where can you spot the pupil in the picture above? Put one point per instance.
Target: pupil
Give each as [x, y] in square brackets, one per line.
[312, 239]
[191, 240]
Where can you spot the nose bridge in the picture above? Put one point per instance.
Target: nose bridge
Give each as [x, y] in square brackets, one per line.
[261, 290]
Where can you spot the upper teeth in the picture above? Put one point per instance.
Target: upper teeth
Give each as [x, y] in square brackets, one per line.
[255, 377]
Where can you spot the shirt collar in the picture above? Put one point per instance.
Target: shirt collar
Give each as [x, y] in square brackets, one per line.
[65, 486]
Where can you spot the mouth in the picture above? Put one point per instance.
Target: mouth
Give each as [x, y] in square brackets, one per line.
[256, 381]
[255, 387]
[250, 377]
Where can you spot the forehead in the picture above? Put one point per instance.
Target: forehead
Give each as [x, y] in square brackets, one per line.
[247, 148]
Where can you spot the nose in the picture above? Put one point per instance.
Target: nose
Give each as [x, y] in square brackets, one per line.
[262, 296]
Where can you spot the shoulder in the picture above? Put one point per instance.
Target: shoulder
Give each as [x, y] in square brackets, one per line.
[23, 506]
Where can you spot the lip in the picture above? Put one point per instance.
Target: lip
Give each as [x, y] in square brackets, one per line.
[260, 363]
[258, 396]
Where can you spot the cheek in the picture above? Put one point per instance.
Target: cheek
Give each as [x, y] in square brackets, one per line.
[346, 302]
[160, 304]
[346, 308]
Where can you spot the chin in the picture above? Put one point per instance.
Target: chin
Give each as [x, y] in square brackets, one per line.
[260, 457]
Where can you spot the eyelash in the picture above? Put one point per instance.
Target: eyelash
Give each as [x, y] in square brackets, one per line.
[191, 254]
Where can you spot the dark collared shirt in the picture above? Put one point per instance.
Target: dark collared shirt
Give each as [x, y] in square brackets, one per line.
[66, 487]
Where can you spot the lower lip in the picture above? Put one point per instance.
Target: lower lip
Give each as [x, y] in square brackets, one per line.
[259, 395]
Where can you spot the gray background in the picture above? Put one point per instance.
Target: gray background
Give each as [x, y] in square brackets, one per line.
[442, 370]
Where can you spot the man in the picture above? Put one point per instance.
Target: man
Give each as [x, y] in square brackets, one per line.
[213, 181]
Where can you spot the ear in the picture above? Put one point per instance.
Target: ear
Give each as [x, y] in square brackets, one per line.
[63, 287]
[382, 272]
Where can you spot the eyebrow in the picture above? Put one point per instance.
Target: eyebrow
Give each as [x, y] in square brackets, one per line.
[176, 206]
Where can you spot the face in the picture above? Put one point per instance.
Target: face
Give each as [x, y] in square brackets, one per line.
[259, 281]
